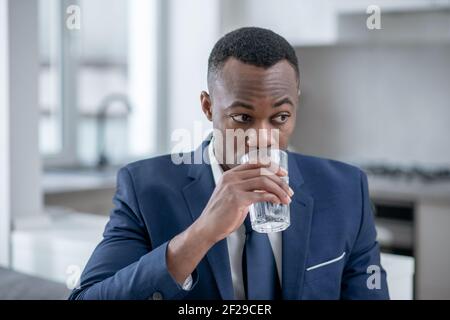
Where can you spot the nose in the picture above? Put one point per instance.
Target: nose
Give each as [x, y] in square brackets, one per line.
[263, 137]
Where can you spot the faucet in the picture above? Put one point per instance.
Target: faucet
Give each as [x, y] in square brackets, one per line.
[103, 109]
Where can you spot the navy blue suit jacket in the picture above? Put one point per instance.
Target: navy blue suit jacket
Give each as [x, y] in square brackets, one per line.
[326, 251]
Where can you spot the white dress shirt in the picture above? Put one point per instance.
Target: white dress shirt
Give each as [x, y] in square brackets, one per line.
[236, 240]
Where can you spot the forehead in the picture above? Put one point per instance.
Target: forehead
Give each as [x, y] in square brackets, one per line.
[244, 81]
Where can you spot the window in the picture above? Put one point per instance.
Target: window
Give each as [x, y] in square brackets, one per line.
[50, 125]
[98, 83]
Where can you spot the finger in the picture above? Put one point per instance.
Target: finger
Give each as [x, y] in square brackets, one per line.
[253, 173]
[264, 183]
[254, 197]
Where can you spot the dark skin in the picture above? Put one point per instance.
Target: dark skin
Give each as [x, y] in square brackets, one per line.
[242, 97]
[246, 96]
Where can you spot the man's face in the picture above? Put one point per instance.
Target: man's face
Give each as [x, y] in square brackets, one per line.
[248, 97]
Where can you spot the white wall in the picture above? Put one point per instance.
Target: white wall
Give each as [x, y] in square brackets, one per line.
[193, 29]
[25, 167]
[368, 103]
[20, 194]
[4, 137]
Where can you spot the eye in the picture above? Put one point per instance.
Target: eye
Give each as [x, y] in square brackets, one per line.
[241, 118]
[281, 118]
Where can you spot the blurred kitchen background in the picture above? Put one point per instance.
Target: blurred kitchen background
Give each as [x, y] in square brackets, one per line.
[77, 103]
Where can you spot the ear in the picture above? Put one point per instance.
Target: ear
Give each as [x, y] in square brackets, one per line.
[206, 103]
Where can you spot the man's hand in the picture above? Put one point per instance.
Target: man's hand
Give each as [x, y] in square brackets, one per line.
[224, 213]
[235, 192]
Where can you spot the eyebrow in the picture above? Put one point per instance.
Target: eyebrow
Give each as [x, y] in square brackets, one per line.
[236, 104]
[283, 101]
[250, 107]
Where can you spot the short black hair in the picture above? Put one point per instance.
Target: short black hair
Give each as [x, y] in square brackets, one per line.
[256, 46]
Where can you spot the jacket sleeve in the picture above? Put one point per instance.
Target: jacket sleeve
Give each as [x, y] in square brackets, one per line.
[124, 265]
[364, 278]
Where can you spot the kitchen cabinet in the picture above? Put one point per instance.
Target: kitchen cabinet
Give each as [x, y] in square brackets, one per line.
[327, 22]
[359, 6]
[301, 22]
[431, 203]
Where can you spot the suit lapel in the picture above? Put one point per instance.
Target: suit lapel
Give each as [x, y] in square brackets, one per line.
[295, 239]
[197, 194]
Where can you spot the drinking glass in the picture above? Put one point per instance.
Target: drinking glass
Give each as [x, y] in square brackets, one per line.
[268, 217]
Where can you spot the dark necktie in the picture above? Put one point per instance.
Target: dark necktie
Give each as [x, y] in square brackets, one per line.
[259, 269]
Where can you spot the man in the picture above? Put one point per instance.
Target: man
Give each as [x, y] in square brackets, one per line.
[180, 231]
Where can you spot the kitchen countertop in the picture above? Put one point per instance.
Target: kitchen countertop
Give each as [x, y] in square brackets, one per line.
[414, 190]
[65, 181]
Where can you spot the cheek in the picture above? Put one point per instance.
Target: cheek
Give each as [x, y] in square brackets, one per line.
[285, 134]
[221, 122]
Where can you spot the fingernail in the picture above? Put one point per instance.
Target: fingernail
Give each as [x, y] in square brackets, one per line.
[283, 171]
[289, 198]
[291, 192]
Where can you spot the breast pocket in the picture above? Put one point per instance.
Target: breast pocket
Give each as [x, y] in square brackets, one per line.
[323, 279]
